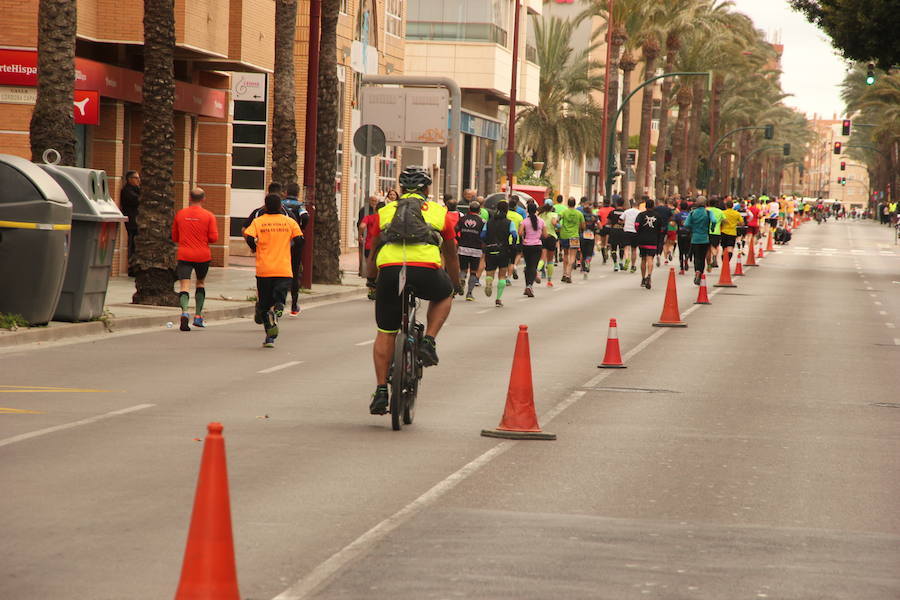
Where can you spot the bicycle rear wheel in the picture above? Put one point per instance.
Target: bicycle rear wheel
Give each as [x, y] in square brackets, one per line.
[398, 383]
[414, 374]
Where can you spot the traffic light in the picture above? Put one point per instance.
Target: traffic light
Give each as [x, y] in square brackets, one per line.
[837, 147]
[839, 180]
[843, 181]
[786, 149]
[845, 128]
[843, 166]
[770, 132]
[870, 74]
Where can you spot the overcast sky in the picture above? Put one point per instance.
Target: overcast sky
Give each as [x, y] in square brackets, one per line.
[812, 69]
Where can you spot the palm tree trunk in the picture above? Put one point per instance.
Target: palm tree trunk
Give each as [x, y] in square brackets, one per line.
[284, 126]
[327, 250]
[154, 261]
[53, 121]
[693, 149]
[627, 65]
[714, 117]
[679, 142]
[618, 40]
[650, 51]
[662, 144]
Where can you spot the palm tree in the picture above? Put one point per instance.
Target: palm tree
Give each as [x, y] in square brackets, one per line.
[683, 98]
[154, 252]
[650, 48]
[53, 121]
[327, 249]
[563, 124]
[627, 63]
[284, 126]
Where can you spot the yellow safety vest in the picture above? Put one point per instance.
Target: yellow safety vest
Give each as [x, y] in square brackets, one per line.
[423, 255]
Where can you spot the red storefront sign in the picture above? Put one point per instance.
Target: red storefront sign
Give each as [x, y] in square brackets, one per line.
[87, 107]
[19, 67]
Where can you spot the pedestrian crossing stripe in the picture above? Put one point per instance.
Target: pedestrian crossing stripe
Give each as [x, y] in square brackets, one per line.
[37, 389]
[18, 411]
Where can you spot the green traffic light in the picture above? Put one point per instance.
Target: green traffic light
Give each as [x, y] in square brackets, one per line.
[870, 80]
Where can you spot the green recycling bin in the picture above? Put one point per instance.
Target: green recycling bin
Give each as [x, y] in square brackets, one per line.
[35, 224]
[95, 222]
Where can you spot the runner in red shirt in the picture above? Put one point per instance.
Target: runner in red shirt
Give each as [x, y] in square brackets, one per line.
[603, 213]
[193, 229]
[753, 212]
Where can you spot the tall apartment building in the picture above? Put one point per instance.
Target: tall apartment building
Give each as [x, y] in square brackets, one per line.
[470, 41]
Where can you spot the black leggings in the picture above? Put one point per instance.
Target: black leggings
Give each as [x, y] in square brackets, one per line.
[684, 251]
[700, 251]
[532, 256]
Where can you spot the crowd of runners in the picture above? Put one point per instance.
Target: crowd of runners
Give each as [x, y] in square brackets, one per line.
[566, 236]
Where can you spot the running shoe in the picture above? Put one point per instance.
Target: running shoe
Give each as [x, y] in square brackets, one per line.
[428, 352]
[295, 309]
[477, 283]
[185, 322]
[625, 264]
[470, 298]
[657, 261]
[488, 289]
[529, 293]
[615, 267]
[549, 284]
[272, 324]
[269, 342]
[696, 278]
[515, 274]
[371, 294]
[498, 303]
[199, 322]
[643, 281]
[508, 282]
[648, 282]
[633, 268]
[379, 404]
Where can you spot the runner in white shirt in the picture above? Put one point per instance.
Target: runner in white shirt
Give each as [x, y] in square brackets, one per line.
[630, 216]
[774, 208]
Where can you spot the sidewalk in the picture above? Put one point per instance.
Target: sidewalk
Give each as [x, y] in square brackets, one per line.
[231, 293]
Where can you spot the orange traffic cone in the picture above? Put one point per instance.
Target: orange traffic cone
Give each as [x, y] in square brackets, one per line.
[769, 246]
[613, 357]
[670, 316]
[519, 420]
[702, 295]
[208, 571]
[725, 272]
[738, 269]
[761, 253]
[751, 256]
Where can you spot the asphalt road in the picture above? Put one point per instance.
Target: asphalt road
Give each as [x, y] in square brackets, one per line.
[750, 455]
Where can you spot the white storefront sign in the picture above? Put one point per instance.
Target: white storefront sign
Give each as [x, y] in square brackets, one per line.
[408, 116]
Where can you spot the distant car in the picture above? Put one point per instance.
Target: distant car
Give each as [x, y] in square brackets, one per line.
[490, 203]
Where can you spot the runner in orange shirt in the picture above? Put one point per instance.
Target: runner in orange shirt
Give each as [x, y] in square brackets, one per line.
[193, 229]
[271, 235]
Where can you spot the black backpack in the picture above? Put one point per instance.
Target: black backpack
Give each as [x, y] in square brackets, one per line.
[408, 225]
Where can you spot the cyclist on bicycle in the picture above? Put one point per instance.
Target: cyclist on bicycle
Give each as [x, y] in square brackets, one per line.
[420, 260]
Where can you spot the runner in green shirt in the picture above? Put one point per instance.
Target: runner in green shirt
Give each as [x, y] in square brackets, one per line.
[571, 224]
[715, 233]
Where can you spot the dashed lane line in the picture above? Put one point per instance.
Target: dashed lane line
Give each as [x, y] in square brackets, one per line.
[890, 325]
[73, 424]
[280, 367]
[365, 343]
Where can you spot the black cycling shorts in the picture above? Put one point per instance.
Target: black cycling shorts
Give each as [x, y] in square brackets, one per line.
[496, 260]
[184, 268]
[629, 238]
[428, 284]
[728, 240]
[468, 263]
[587, 248]
[714, 240]
[550, 242]
[645, 252]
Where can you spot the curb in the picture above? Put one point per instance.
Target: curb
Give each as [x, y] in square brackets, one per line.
[64, 331]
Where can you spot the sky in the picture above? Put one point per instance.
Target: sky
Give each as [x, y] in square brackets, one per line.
[812, 70]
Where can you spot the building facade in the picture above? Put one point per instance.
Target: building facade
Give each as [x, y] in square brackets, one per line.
[822, 167]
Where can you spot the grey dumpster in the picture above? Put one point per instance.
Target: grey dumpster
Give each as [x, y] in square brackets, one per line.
[35, 223]
[95, 221]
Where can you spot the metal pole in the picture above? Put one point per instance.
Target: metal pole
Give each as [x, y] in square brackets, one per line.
[309, 153]
[605, 124]
[610, 150]
[513, 98]
[455, 116]
[744, 162]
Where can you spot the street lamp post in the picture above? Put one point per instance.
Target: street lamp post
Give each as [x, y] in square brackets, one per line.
[513, 98]
[744, 162]
[610, 137]
[712, 152]
[604, 125]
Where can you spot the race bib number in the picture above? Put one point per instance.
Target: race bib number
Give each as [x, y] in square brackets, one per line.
[573, 242]
[588, 235]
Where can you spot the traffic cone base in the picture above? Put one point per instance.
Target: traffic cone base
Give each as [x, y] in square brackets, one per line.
[738, 269]
[671, 316]
[751, 256]
[519, 421]
[612, 358]
[725, 273]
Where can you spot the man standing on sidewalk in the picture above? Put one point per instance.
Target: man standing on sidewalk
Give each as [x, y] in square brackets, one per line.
[271, 235]
[129, 202]
[193, 229]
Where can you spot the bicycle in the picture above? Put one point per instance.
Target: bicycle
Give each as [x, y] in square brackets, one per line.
[406, 368]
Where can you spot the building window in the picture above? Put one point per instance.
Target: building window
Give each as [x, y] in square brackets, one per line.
[342, 95]
[393, 17]
[464, 20]
[345, 9]
[655, 111]
[387, 170]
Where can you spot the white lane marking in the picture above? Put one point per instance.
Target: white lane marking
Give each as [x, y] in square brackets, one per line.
[877, 303]
[890, 325]
[865, 281]
[882, 312]
[897, 341]
[358, 547]
[365, 343]
[88, 421]
[873, 295]
[481, 312]
[869, 287]
[280, 367]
